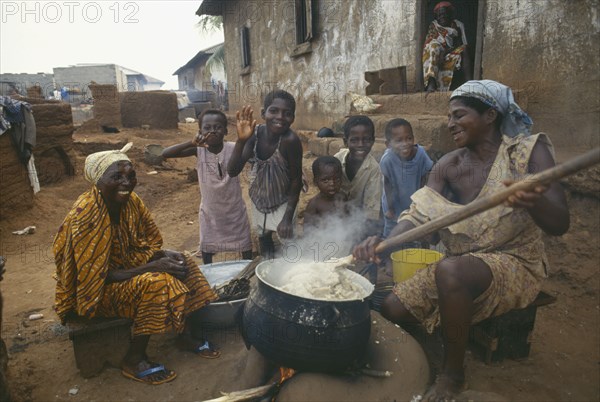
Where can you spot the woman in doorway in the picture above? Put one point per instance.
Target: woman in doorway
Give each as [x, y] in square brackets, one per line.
[445, 49]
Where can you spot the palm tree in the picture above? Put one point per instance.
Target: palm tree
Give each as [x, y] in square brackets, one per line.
[209, 24]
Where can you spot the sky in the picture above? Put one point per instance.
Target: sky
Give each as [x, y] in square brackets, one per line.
[152, 37]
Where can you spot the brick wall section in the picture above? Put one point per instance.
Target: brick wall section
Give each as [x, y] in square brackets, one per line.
[53, 152]
[54, 123]
[107, 110]
[158, 109]
[35, 92]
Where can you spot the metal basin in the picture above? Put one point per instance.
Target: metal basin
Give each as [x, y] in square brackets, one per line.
[153, 154]
[221, 314]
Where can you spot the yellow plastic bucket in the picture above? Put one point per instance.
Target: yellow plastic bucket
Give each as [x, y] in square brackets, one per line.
[406, 262]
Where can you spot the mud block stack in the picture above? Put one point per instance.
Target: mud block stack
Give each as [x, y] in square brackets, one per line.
[54, 126]
[53, 152]
[107, 109]
[158, 109]
[35, 92]
[16, 193]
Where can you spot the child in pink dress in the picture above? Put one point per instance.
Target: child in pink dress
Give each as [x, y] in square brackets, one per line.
[223, 218]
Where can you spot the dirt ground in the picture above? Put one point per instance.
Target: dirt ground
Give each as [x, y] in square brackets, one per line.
[564, 363]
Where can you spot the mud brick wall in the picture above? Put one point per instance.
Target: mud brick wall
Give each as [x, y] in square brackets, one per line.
[35, 92]
[16, 194]
[158, 109]
[54, 149]
[54, 124]
[53, 152]
[107, 111]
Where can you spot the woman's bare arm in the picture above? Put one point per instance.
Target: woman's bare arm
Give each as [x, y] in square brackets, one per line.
[547, 205]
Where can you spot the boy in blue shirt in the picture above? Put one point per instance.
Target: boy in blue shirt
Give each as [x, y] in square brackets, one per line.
[404, 166]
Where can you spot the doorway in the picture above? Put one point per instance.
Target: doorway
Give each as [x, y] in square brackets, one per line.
[470, 13]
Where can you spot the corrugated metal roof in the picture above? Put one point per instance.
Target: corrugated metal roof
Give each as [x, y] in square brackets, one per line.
[148, 79]
[201, 56]
[211, 7]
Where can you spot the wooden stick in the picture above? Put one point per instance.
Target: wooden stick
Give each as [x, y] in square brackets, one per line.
[245, 395]
[248, 271]
[245, 273]
[549, 175]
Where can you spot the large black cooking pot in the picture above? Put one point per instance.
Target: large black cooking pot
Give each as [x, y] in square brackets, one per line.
[303, 333]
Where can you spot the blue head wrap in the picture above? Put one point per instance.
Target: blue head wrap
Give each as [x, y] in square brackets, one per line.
[501, 98]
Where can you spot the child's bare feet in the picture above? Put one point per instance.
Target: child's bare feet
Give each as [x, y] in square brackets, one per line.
[445, 388]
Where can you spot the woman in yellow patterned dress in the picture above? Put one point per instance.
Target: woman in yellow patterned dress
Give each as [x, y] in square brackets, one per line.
[109, 263]
[495, 261]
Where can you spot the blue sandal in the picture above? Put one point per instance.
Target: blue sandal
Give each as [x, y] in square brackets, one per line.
[141, 376]
[207, 346]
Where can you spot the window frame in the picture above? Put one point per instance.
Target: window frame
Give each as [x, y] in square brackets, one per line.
[304, 26]
[246, 58]
[304, 21]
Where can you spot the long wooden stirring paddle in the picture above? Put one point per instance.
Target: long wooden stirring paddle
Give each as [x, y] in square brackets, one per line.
[547, 176]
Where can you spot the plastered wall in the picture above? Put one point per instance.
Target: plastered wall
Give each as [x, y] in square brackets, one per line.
[352, 36]
[550, 49]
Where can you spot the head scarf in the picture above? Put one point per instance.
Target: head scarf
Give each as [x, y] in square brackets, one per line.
[96, 164]
[500, 97]
[441, 4]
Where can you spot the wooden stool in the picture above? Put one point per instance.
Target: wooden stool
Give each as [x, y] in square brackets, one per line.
[99, 341]
[508, 335]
